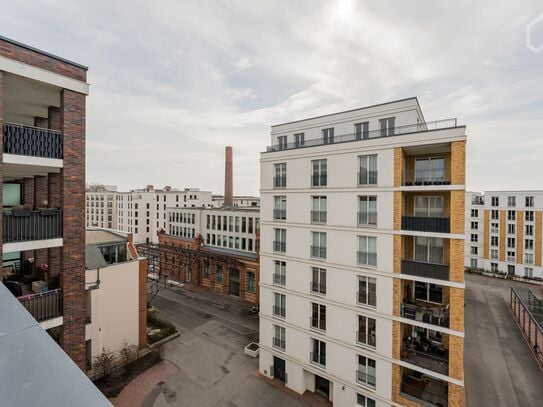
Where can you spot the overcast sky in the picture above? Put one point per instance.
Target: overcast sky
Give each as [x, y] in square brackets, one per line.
[173, 82]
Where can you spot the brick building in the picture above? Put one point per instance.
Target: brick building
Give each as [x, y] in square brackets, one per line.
[42, 167]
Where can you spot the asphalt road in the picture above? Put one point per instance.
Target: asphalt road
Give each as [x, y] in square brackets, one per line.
[500, 369]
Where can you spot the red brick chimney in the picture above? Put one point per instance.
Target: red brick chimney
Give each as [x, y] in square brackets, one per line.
[228, 181]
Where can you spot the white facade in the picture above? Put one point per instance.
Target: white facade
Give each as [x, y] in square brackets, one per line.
[342, 232]
[143, 212]
[239, 201]
[101, 207]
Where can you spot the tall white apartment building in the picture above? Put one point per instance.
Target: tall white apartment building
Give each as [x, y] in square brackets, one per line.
[241, 201]
[101, 206]
[503, 233]
[362, 242]
[143, 212]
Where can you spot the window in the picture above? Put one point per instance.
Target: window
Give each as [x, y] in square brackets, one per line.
[299, 139]
[495, 201]
[366, 371]
[318, 173]
[318, 212]
[367, 211]
[367, 250]
[475, 213]
[318, 280]
[528, 272]
[428, 292]
[279, 274]
[529, 216]
[280, 242]
[361, 130]
[511, 242]
[218, 274]
[511, 228]
[511, 215]
[495, 214]
[367, 291]
[366, 331]
[387, 126]
[429, 250]
[429, 170]
[318, 353]
[282, 142]
[494, 254]
[511, 270]
[529, 201]
[364, 401]
[318, 247]
[475, 225]
[328, 135]
[279, 308]
[280, 179]
[318, 316]
[493, 240]
[494, 267]
[529, 244]
[511, 201]
[429, 206]
[474, 250]
[473, 263]
[494, 228]
[251, 282]
[206, 269]
[529, 230]
[474, 238]
[279, 337]
[528, 258]
[367, 165]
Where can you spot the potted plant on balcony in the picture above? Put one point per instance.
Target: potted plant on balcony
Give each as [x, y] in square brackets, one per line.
[21, 210]
[45, 209]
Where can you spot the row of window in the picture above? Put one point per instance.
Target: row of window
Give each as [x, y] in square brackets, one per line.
[183, 217]
[98, 197]
[182, 231]
[99, 205]
[236, 224]
[231, 242]
[250, 281]
[511, 269]
[512, 201]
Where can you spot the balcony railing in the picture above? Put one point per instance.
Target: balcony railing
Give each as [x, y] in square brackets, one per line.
[278, 343]
[32, 225]
[318, 252]
[426, 224]
[317, 358]
[280, 182]
[317, 288]
[318, 180]
[279, 214]
[279, 279]
[431, 315]
[431, 359]
[364, 378]
[437, 176]
[429, 270]
[318, 216]
[428, 392]
[32, 141]
[279, 311]
[317, 323]
[43, 306]
[279, 246]
[396, 131]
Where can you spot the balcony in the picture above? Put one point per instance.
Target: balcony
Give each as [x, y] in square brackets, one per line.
[424, 389]
[318, 359]
[426, 224]
[43, 306]
[428, 270]
[317, 323]
[278, 343]
[318, 216]
[32, 141]
[318, 252]
[279, 311]
[435, 315]
[279, 279]
[425, 348]
[317, 288]
[396, 131]
[279, 214]
[279, 246]
[21, 225]
[436, 176]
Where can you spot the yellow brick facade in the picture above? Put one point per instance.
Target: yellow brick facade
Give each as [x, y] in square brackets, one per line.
[502, 235]
[537, 243]
[520, 237]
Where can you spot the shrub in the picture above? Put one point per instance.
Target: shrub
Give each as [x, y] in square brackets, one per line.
[104, 361]
[128, 352]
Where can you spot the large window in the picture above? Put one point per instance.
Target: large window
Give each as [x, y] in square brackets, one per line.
[429, 250]
[364, 401]
[280, 271]
[367, 250]
[279, 337]
[299, 139]
[318, 316]
[251, 282]
[114, 253]
[366, 333]
[279, 307]
[361, 130]
[280, 242]
[279, 208]
[318, 246]
[387, 126]
[367, 291]
[366, 371]
[319, 173]
[367, 165]
[328, 135]
[318, 352]
[429, 206]
[430, 170]
[280, 178]
[367, 210]
[218, 274]
[428, 292]
[318, 211]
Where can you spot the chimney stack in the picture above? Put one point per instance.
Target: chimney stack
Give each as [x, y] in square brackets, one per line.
[228, 181]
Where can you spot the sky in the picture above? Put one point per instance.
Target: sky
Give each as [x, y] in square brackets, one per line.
[173, 82]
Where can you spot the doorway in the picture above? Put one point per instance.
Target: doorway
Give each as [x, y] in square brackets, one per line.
[322, 386]
[279, 371]
[234, 282]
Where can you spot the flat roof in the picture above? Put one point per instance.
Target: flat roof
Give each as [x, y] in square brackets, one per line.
[102, 236]
[39, 51]
[351, 110]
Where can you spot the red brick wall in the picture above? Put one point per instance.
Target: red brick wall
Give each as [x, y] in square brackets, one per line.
[1, 149]
[42, 122]
[28, 191]
[54, 118]
[73, 220]
[40, 191]
[22, 54]
[53, 190]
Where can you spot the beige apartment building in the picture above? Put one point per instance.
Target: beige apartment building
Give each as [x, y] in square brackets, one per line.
[101, 206]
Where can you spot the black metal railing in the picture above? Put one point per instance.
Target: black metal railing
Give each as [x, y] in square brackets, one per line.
[318, 180]
[279, 279]
[317, 323]
[429, 270]
[279, 246]
[279, 343]
[366, 259]
[436, 176]
[32, 225]
[32, 141]
[426, 359]
[427, 394]
[317, 288]
[279, 214]
[279, 311]
[396, 131]
[318, 216]
[365, 378]
[426, 224]
[431, 315]
[318, 358]
[43, 306]
[318, 252]
[280, 181]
